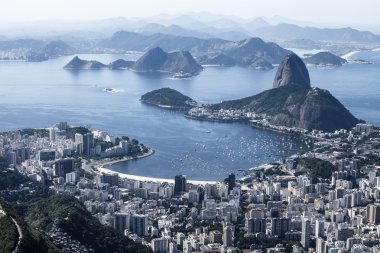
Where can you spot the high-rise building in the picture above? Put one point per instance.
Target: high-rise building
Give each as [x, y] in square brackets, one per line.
[172, 247]
[110, 178]
[228, 233]
[88, 144]
[319, 228]
[62, 126]
[320, 245]
[373, 213]
[216, 237]
[125, 146]
[231, 181]
[72, 177]
[139, 224]
[193, 196]
[279, 226]
[180, 238]
[160, 245]
[46, 155]
[22, 154]
[187, 248]
[179, 184]
[52, 134]
[12, 157]
[305, 236]
[78, 140]
[63, 166]
[121, 222]
[256, 226]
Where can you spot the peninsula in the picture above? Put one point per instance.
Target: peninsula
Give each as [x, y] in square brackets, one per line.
[292, 104]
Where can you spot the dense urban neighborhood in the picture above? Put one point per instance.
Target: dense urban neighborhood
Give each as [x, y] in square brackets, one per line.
[324, 200]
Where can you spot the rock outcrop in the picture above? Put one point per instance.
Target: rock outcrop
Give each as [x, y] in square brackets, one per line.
[291, 70]
[293, 103]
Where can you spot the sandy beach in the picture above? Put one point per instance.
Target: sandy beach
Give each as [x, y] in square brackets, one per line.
[152, 179]
[99, 168]
[348, 55]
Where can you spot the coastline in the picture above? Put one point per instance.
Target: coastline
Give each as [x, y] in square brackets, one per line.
[151, 179]
[99, 168]
[93, 166]
[348, 55]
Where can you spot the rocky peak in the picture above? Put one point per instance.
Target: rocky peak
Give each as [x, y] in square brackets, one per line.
[292, 70]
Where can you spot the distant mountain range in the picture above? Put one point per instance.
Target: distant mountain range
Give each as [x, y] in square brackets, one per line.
[36, 50]
[130, 41]
[261, 28]
[290, 32]
[200, 25]
[252, 52]
[213, 38]
[51, 49]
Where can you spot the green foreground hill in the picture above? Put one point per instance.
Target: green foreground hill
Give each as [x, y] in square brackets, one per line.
[68, 214]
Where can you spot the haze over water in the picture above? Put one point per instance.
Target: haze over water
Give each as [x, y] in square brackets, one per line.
[40, 94]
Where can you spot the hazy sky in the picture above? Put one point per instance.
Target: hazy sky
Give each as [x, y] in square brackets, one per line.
[319, 11]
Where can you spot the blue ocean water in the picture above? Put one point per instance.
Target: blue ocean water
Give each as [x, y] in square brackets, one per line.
[41, 94]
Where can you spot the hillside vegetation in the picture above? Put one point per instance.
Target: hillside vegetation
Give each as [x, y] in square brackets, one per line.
[68, 214]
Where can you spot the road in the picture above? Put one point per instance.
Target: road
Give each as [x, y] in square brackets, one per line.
[19, 231]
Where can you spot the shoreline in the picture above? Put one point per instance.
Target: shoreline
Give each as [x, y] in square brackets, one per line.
[93, 166]
[151, 179]
[99, 168]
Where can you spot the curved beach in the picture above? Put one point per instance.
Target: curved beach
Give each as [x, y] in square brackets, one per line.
[99, 168]
[152, 179]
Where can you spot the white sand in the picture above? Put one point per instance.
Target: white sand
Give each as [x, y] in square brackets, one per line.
[348, 55]
[152, 179]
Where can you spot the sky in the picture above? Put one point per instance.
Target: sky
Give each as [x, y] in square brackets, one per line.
[334, 12]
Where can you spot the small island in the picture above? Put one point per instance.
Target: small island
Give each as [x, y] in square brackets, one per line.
[168, 98]
[180, 64]
[76, 64]
[325, 59]
[361, 61]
